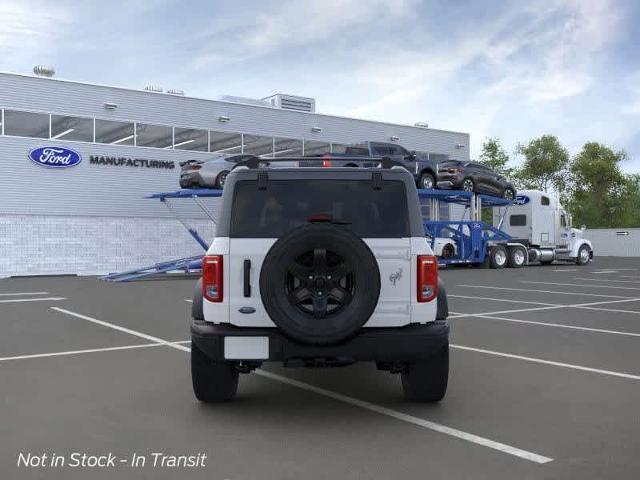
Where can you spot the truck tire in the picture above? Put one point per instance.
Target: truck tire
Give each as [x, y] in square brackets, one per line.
[426, 381]
[584, 255]
[212, 381]
[517, 257]
[319, 284]
[498, 257]
[427, 181]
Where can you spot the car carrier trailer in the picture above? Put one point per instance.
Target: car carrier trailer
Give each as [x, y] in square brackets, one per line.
[533, 228]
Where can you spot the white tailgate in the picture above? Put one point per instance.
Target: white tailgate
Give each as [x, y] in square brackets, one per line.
[241, 249]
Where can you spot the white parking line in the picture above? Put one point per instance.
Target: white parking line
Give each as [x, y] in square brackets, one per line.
[7, 294]
[188, 300]
[564, 270]
[542, 291]
[502, 300]
[90, 350]
[121, 329]
[555, 325]
[553, 307]
[617, 310]
[582, 285]
[605, 280]
[548, 362]
[21, 300]
[469, 437]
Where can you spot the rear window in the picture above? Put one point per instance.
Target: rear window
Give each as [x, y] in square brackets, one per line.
[287, 204]
[357, 151]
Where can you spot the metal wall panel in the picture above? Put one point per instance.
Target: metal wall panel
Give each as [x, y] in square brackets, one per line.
[615, 242]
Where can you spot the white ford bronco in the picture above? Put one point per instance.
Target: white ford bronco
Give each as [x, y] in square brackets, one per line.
[319, 267]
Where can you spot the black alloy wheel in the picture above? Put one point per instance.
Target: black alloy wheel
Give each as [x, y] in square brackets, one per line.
[508, 194]
[320, 283]
[468, 185]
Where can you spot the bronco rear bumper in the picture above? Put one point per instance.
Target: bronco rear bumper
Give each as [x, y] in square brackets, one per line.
[401, 344]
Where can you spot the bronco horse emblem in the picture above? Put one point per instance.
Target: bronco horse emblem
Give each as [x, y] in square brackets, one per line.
[394, 277]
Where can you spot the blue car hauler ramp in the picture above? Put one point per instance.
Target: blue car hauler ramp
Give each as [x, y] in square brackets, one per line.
[185, 265]
[472, 237]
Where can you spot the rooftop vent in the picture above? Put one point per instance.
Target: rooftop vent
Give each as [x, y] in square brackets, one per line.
[175, 91]
[421, 124]
[153, 88]
[44, 70]
[292, 102]
[245, 100]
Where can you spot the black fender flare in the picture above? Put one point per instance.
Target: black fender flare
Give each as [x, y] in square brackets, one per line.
[443, 304]
[196, 305]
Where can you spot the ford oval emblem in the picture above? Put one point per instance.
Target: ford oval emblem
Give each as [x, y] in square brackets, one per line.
[55, 157]
[521, 200]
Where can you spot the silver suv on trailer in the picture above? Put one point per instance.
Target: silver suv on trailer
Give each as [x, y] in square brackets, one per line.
[319, 267]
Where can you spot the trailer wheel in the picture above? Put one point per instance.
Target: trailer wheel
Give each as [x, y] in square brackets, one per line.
[498, 257]
[517, 257]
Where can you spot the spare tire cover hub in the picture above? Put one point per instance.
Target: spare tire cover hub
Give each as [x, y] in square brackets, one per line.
[320, 283]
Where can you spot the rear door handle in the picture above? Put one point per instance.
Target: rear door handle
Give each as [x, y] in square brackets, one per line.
[247, 278]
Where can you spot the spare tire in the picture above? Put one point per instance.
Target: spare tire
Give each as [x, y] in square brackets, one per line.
[320, 283]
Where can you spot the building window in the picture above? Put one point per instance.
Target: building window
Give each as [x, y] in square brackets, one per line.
[518, 220]
[26, 124]
[157, 136]
[257, 145]
[71, 128]
[287, 147]
[312, 147]
[190, 139]
[225, 143]
[114, 133]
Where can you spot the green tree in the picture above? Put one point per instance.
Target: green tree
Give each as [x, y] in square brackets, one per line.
[601, 194]
[545, 164]
[494, 156]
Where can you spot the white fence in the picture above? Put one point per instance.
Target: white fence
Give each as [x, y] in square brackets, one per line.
[615, 242]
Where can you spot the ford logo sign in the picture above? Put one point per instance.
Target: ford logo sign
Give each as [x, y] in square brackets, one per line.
[521, 200]
[55, 157]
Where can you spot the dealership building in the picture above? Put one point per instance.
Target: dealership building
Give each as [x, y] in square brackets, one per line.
[77, 161]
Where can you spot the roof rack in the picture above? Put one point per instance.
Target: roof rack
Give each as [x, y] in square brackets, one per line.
[259, 162]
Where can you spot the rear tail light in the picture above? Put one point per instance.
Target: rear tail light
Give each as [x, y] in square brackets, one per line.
[427, 278]
[326, 161]
[212, 279]
[195, 167]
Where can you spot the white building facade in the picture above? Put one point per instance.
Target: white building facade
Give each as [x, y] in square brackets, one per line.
[89, 214]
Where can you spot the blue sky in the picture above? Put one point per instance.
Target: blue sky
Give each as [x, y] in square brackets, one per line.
[511, 69]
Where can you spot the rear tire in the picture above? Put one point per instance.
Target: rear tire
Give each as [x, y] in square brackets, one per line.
[426, 381]
[468, 185]
[213, 382]
[517, 257]
[498, 257]
[509, 194]
[427, 181]
[221, 179]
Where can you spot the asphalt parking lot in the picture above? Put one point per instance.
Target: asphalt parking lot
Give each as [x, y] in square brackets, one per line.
[545, 383]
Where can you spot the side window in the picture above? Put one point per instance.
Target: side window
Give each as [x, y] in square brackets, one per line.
[397, 150]
[380, 150]
[544, 201]
[563, 220]
[518, 220]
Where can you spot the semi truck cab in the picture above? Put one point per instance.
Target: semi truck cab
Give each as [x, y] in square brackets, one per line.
[538, 221]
